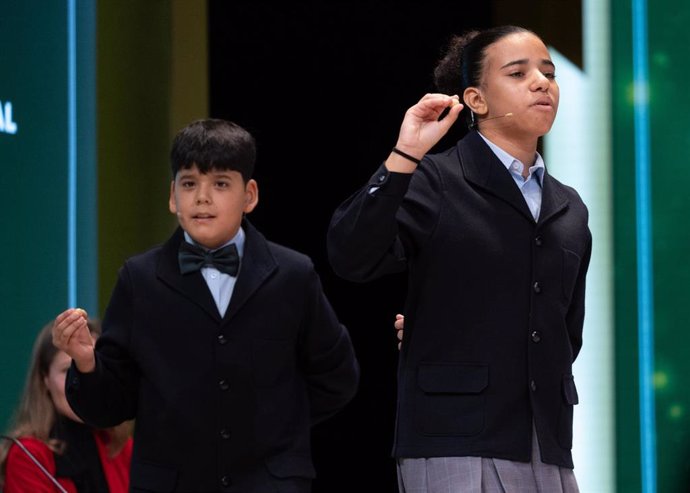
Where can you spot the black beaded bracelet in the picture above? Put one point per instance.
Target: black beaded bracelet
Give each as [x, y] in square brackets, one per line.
[406, 156]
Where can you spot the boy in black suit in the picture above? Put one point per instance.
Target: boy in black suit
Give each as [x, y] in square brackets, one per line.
[221, 344]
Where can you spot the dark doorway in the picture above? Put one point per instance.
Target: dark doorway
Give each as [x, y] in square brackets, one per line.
[323, 87]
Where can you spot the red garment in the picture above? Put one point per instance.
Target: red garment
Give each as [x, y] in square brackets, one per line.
[23, 476]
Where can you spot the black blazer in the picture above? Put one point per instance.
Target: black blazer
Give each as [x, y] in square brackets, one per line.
[221, 404]
[495, 304]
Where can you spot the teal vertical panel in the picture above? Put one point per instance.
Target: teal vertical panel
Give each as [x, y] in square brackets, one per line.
[669, 38]
[669, 177]
[34, 179]
[644, 225]
[87, 175]
[628, 450]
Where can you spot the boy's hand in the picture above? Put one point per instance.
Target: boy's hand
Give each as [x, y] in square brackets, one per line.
[71, 334]
[399, 324]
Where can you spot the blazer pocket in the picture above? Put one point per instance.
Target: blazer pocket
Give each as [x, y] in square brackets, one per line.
[571, 267]
[565, 420]
[290, 466]
[451, 401]
[151, 477]
[273, 361]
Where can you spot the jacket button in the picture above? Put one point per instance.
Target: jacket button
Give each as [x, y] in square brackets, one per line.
[222, 339]
[538, 241]
[226, 481]
[536, 287]
[225, 433]
[223, 384]
[533, 385]
[536, 336]
[381, 178]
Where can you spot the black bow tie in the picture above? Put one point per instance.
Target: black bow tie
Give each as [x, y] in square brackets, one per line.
[193, 258]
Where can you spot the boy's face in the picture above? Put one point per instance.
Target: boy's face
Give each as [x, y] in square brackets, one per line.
[210, 206]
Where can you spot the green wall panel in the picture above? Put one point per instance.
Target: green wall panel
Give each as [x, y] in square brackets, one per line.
[668, 39]
[36, 281]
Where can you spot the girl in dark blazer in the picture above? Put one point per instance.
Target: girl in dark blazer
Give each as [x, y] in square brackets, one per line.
[496, 251]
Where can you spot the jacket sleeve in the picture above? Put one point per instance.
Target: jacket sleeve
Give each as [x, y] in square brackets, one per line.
[326, 355]
[108, 396]
[375, 230]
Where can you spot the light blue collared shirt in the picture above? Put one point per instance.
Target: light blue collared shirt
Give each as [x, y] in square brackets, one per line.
[220, 284]
[532, 185]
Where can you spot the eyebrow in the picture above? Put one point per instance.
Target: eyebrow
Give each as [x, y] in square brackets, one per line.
[191, 174]
[524, 61]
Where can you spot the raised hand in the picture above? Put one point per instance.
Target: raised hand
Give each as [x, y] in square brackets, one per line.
[71, 334]
[421, 129]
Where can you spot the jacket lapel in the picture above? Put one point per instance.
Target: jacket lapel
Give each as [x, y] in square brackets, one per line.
[258, 264]
[192, 286]
[483, 169]
[553, 200]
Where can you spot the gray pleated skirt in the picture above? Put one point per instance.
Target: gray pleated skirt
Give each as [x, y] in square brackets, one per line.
[482, 475]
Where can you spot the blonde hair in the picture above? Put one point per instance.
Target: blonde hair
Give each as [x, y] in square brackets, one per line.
[36, 414]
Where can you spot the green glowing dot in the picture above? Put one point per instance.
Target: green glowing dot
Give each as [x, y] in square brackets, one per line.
[660, 380]
[676, 411]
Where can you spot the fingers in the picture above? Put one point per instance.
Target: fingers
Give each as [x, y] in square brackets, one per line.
[423, 126]
[66, 325]
[72, 314]
[398, 324]
[453, 112]
[435, 104]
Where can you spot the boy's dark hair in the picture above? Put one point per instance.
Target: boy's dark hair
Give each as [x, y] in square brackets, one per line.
[214, 144]
[462, 64]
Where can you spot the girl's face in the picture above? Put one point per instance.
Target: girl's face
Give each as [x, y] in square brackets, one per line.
[518, 78]
[55, 383]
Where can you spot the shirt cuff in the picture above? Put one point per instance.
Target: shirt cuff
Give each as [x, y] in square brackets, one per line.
[385, 182]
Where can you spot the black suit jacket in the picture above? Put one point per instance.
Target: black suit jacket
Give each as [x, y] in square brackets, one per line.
[495, 306]
[221, 404]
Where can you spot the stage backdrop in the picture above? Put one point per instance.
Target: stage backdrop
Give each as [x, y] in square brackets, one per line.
[294, 76]
[81, 193]
[651, 179]
[47, 129]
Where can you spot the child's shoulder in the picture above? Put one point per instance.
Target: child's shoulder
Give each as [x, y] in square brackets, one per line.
[288, 255]
[282, 253]
[146, 255]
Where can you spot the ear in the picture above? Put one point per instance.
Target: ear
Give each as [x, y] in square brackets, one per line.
[172, 203]
[474, 100]
[251, 196]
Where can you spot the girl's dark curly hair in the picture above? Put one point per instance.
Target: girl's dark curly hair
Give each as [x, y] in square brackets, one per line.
[462, 63]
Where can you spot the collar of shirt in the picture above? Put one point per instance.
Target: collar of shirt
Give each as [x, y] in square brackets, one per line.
[221, 285]
[514, 165]
[238, 240]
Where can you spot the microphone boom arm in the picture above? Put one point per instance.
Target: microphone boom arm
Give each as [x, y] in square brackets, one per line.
[35, 461]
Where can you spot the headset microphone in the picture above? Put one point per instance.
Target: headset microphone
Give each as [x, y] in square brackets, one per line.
[494, 117]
